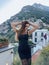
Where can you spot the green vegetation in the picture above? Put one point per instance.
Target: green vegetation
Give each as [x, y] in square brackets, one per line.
[29, 12]
[3, 42]
[31, 43]
[16, 59]
[43, 59]
[2, 39]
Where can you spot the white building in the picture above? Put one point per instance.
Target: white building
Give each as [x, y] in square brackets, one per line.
[40, 37]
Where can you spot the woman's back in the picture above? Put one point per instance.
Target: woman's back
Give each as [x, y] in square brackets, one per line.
[24, 49]
[23, 39]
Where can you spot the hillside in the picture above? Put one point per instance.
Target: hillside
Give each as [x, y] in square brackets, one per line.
[32, 13]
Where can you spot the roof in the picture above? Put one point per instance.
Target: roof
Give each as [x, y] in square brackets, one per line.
[35, 56]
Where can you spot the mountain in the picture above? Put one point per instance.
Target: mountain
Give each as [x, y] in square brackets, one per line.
[43, 7]
[31, 13]
[34, 11]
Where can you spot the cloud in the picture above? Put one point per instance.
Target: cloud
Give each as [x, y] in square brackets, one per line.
[4, 3]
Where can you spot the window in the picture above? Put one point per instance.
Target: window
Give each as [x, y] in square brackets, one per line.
[42, 34]
[35, 39]
[35, 33]
[41, 39]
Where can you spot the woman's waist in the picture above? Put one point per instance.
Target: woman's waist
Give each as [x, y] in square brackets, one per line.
[24, 46]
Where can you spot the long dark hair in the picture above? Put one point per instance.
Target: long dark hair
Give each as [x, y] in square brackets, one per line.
[23, 27]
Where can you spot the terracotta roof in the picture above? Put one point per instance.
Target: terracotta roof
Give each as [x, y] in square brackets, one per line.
[35, 56]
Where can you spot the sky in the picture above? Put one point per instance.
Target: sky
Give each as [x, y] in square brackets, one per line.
[9, 8]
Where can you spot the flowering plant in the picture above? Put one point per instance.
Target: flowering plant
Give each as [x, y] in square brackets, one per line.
[3, 42]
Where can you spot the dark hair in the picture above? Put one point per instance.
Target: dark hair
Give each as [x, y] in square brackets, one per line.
[23, 27]
[24, 24]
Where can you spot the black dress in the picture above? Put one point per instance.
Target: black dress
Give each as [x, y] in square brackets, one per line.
[24, 49]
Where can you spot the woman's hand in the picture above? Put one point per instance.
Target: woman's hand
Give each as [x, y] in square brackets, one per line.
[35, 27]
[31, 23]
[34, 24]
[14, 24]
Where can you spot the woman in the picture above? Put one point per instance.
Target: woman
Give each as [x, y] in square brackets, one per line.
[23, 34]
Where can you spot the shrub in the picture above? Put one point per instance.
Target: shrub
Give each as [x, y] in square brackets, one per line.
[16, 59]
[31, 43]
[3, 42]
[44, 57]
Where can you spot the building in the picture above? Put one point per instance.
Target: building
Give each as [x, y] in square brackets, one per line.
[40, 38]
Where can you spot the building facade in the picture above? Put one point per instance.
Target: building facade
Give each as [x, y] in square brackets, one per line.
[41, 37]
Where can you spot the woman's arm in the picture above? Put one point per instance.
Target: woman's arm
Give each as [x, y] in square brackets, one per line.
[14, 24]
[35, 26]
